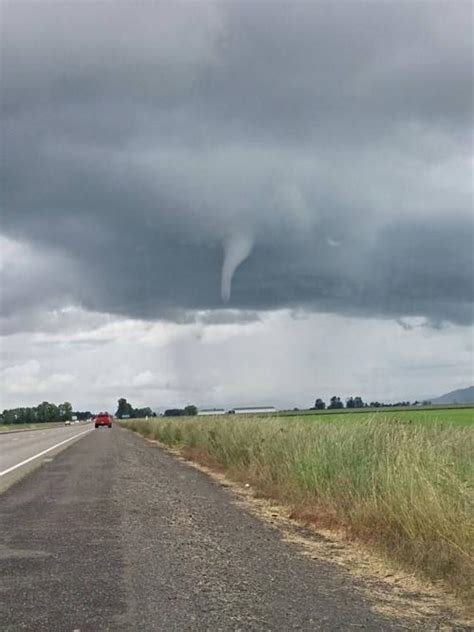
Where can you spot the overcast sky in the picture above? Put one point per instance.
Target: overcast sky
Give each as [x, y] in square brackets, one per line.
[235, 203]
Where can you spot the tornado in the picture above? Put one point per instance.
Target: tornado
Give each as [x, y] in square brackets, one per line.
[237, 248]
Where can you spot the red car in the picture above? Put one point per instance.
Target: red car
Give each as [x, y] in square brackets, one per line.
[103, 419]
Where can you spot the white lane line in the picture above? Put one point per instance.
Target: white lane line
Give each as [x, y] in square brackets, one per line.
[36, 456]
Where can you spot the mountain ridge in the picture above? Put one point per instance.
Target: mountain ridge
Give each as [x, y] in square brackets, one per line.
[459, 396]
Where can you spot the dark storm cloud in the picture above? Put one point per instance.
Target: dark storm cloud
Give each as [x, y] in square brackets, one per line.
[317, 153]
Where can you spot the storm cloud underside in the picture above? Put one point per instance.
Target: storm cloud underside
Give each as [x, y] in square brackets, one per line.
[167, 158]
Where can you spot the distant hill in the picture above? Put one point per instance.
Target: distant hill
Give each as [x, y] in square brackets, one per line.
[461, 396]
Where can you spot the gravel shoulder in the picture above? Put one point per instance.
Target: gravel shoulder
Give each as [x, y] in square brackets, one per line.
[116, 534]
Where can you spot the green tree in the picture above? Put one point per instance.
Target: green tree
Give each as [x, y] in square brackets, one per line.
[174, 412]
[124, 409]
[44, 412]
[8, 417]
[142, 412]
[82, 414]
[335, 403]
[65, 411]
[319, 404]
[190, 410]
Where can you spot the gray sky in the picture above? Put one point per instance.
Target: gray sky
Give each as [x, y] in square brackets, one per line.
[234, 202]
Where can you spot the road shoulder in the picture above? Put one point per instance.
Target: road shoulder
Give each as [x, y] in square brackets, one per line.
[391, 591]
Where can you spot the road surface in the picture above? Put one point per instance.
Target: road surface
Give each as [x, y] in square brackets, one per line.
[116, 534]
[22, 451]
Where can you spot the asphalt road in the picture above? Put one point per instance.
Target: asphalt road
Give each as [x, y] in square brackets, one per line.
[115, 534]
[23, 451]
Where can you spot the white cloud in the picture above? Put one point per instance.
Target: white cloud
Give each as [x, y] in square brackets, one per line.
[285, 359]
[144, 379]
[31, 379]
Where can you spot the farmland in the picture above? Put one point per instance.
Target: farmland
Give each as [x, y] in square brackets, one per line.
[401, 481]
[451, 415]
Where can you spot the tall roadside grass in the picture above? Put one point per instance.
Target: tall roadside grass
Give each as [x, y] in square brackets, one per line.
[406, 489]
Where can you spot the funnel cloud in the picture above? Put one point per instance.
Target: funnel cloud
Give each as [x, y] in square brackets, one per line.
[236, 249]
[155, 169]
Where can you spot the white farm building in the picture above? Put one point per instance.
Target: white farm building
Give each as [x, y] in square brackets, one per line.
[211, 411]
[249, 410]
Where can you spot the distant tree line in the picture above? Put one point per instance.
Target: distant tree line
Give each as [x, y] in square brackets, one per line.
[43, 413]
[357, 402]
[126, 411]
[82, 415]
[335, 402]
[400, 404]
[187, 411]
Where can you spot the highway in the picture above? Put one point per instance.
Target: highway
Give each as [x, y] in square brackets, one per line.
[22, 451]
[115, 534]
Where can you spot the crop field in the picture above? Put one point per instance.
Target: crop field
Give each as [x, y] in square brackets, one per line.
[392, 480]
[459, 415]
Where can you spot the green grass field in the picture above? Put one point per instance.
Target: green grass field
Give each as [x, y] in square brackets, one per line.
[460, 415]
[401, 481]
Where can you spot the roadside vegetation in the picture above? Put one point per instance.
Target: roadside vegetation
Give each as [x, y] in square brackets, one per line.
[405, 488]
[43, 413]
[10, 427]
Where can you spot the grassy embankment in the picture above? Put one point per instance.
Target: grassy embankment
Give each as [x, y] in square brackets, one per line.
[405, 488]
